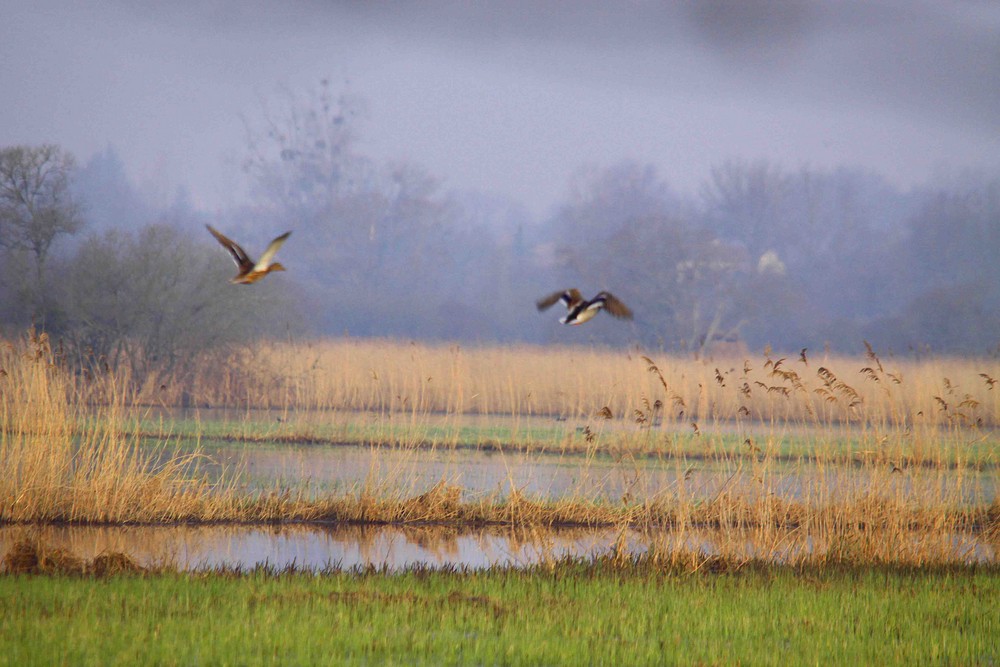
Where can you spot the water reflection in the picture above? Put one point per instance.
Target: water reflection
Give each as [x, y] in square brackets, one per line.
[314, 547]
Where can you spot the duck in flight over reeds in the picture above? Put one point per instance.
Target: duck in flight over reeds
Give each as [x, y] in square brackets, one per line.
[250, 271]
[581, 310]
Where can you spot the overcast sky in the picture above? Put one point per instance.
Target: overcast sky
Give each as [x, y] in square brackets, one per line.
[513, 96]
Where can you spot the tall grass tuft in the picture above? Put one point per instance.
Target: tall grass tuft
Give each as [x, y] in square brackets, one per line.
[62, 464]
[810, 458]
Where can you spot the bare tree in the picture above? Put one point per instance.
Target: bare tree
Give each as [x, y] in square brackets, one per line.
[36, 205]
[628, 233]
[303, 156]
[373, 230]
[745, 202]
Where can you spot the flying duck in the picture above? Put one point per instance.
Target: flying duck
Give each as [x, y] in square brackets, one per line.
[581, 310]
[250, 271]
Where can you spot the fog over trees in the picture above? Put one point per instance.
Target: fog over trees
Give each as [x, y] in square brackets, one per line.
[36, 207]
[763, 253]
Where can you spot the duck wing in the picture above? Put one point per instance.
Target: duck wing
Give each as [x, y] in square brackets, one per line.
[239, 254]
[569, 298]
[272, 248]
[548, 301]
[609, 302]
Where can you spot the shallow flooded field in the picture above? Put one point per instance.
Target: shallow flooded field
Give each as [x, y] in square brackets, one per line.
[411, 471]
[335, 451]
[513, 489]
[492, 473]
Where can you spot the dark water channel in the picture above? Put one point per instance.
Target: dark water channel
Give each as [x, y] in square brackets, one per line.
[316, 547]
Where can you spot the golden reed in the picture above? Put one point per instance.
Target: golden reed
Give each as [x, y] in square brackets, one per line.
[71, 453]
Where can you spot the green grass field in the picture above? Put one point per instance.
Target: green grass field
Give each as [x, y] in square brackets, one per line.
[593, 612]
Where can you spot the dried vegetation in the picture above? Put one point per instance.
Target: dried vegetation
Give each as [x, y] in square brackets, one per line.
[886, 463]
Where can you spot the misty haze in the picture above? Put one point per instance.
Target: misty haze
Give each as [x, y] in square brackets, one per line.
[520, 332]
[801, 176]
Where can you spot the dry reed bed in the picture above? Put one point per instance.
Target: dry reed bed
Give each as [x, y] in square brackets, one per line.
[395, 377]
[56, 470]
[891, 412]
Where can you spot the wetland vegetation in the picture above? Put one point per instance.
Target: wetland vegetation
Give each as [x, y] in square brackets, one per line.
[771, 445]
[749, 509]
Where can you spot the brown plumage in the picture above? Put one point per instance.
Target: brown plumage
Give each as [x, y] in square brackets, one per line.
[580, 310]
[249, 270]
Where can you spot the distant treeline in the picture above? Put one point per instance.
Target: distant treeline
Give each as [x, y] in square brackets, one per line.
[761, 254]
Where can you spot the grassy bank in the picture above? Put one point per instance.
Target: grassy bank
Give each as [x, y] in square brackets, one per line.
[583, 612]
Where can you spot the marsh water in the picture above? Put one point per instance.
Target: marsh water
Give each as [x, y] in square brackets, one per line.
[392, 548]
[407, 471]
[320, 469]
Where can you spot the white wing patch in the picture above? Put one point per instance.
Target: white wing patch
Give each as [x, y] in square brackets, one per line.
[265, 259]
